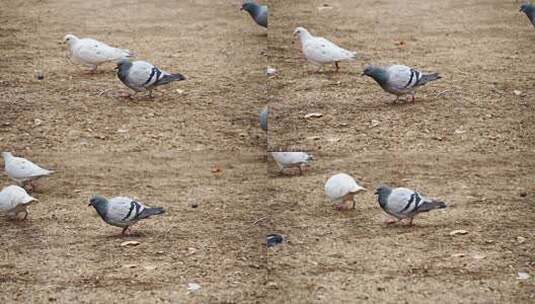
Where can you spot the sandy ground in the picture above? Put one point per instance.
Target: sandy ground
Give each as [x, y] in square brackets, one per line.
[468, 139]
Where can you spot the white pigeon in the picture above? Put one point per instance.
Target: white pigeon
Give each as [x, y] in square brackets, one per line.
[286, 160]
[404, 203]
[341, 189]
[320, 51]
[399, 79]
[91, 52]
[15, 200]
[21, 170]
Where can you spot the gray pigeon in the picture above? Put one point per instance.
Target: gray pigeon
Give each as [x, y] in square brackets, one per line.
[529, 10]
[143, 76]
[399, 79]
[122, 211]
[259, 13]
[264, 118]
[404, 203]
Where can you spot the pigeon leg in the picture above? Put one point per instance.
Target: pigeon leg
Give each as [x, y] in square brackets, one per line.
[124, 231]
[410, 221]
[25, 215]
[150, 93]
[413, 98]
[336, 66]
[93, 69]
[300, 170]
[354, 203]
[396, 100]
[390, 221]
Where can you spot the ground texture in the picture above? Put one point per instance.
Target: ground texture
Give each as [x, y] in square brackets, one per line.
[468, 139]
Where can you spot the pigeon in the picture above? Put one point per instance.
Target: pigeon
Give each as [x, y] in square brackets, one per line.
[143, 76]
[90, 52]
[404, 203]
[23, 171]
[529, 10]
[320, 51]
[15, 200]
[341, 189]
[399, 79]
[287, 160]
[264, 118]
[259, 13]
[122, 211]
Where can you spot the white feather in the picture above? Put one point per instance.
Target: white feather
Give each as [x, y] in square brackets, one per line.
[91, 52]
[340, 185]
[319, 50]
[14, 200]
[291, 159]
[22, 170]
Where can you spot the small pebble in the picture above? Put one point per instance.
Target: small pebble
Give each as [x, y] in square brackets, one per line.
[39, 75]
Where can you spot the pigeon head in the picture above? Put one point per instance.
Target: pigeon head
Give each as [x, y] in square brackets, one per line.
[377, 73]
[301, 32]
[7, 155]
[98, 202]
[383, 192]
[525, 7]
[123, 63]
[69, 39]
[248, 6]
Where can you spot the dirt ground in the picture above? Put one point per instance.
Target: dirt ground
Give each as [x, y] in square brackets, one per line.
[468, 139]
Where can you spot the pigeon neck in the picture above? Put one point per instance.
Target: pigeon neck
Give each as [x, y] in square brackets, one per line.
[380, 76]
[383, 197]
[101, 209]
[530, 12]
[304, 36]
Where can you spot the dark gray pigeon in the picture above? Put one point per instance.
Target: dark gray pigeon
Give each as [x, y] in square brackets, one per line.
[264, 118]
[404, 203]
[529, 10]
[399, 79]
[122, 211]
[259, 13]
[143, 76]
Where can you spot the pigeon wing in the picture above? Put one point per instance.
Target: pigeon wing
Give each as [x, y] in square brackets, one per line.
[21, 168]
[321, 50]
[402, 78]
[142, 74]
[96, 52]
[123, 211]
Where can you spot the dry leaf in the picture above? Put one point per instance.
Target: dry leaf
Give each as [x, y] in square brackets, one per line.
[130, 243]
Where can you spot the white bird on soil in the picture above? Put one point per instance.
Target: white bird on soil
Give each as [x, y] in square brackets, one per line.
[15, 200]
[23, 171]
[320, 51]
[287, 160]
[92, 53]
[341, 189]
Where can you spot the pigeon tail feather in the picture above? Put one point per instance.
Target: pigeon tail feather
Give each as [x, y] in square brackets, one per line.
[170, 78]
[428, 78]
[434, 204]
[147, 212]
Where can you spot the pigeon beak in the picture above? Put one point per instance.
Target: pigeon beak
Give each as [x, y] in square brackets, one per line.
[241, 8]
[363, 74]
[88, 205]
